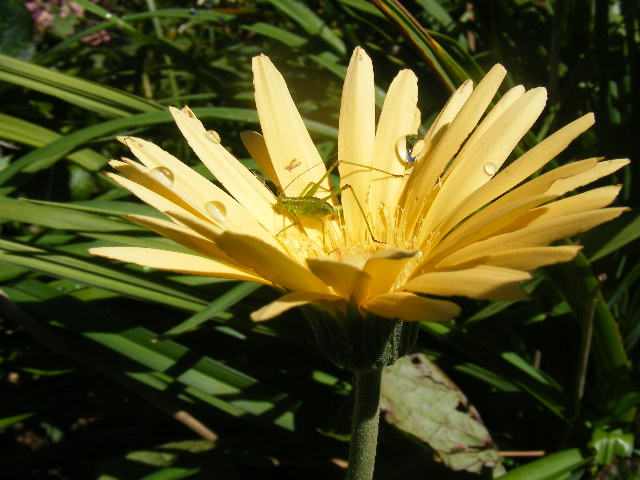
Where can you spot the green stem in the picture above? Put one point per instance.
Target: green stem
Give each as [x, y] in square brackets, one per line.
[364, 425]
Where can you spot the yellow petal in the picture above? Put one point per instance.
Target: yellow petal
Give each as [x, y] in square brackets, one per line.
[496, 112]
[537, 157]
[384, 268]
[182, 235]
[482, 282]
[356, 135]
[269, 262]
[543, 185]
[602, 169]
[483, 225]
[521, 169]
[526, 259]
[176, 262]
[153, 191]
[535, 235]
[287, 302]
[257, 148]
[412, 308]
[232, 174]
[297, 162]
[397, 120]
[345, 279]
[175, 177]
[590, 200]
[181, 184]
[476, 166]
[479, 161]
[550, 185]
[449, 112]
[156, 200]
[429, 168]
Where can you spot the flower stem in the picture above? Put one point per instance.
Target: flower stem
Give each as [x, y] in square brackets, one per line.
[364, 425]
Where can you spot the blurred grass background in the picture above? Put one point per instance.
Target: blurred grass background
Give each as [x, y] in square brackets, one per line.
[111, 371]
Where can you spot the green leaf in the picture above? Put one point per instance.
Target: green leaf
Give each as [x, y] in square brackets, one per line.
[419, 399]
[433, 8]
[112, 208]
[509, 365]
[91, 273]
[168, 365]
[611, 237]
[47, 155]
[57, 217]
[223, 302]
[21, 131]
[609, 445]
[311, 23]
[13, 419]
[172, 473]
[277, 33]
[363, 6]
[451, 74]
[83, 93]
[169, 461]
[577, 283]
[551, 467]
[16, 29]
[50, 153]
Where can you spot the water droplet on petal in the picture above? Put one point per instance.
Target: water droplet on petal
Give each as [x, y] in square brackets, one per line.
[162, 175]
[490, 168]
[401, 148]
[409, 147]
[414, 99]
[217, 210]
[213, 136]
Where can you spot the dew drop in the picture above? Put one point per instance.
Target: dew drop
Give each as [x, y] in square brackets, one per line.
[107, 15]
[490, 168]
[415, 99]
[213, 136]
[409, 147]
[162, 175]
[217, 210]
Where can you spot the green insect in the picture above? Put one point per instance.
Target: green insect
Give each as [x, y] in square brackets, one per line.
[306, 205]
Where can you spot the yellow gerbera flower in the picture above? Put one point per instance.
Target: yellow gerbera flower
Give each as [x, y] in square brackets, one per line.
[448, 224]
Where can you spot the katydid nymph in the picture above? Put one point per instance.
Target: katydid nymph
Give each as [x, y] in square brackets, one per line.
[306, 205]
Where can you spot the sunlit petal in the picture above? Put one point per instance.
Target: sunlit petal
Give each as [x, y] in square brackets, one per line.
[412, 308]
[287, 302]
[481, 281]
[232, 174]
[539, 234]
[297, 162]
[356, 137]
[176, 262]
